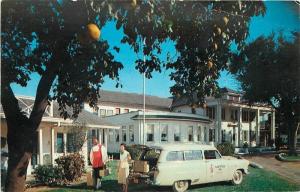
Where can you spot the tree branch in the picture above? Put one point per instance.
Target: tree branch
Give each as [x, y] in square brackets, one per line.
[41, 99]
[9, 102]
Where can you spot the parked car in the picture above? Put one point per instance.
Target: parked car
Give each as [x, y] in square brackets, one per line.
[182, 165]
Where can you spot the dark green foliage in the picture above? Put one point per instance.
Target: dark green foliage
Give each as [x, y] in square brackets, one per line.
[136, 151]
[268, 69]
[48, 175]
[226, 149]
[72, 166]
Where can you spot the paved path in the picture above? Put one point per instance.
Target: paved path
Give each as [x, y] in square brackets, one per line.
[289, 170]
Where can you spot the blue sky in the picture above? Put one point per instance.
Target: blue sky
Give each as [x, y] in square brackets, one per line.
[280, 16]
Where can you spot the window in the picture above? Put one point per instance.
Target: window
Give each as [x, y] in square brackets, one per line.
[190, 133]
[245, 116]
[205, 135]
[245, 135]
[124, 133]
[223, 114]
[223, 135]
[109, 112]
[150, 133]
[175, 156]
[234, 115]
[211, 135]
[193, 155]
[117, 134]
[59, 142]
[164, 133]
[210, 112]
[110, 135]
[70, 143]
[131, 133]
[118, 111]
[199, 133]
[102, 112]
[177, 134]
[211, 154]
[126, 110]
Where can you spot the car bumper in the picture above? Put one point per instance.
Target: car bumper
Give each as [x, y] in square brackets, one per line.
[247, 171]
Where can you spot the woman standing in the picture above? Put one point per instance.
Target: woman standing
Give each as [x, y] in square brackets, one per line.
[123, 167]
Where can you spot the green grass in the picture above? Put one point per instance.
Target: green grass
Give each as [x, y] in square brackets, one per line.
[287, 157]
[257, 180]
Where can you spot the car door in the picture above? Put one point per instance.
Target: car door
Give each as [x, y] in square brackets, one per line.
[195, 166]
[215, 166]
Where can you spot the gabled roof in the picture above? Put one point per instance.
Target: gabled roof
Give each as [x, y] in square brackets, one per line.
[134, 99]
[84, 116]
[228, 90]
[184, 100]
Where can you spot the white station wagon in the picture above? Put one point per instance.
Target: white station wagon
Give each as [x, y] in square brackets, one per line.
[182, 165]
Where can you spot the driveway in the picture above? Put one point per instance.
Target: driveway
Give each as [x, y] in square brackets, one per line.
[288, 170]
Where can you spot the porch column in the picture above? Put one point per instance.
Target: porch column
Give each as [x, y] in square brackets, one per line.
[273, 125]
[235, 132]
[257, 127]
[52, 145]
[239, 126]
[250, 128]
[105, 138]
[41, 160]
[99, 135]
[65, 142]
[85, 152]
[219, 121]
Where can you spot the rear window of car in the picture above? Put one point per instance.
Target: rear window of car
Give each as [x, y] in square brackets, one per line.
[175, 156]
[193, 155]
[211, 154]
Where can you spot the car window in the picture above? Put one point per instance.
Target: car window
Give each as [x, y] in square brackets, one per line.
[211, 154]
[193, 155]
[175, 156]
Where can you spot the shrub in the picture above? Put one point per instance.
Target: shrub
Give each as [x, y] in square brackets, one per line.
[245, 145]
[72, 166]
[48, 174]
[226, 148]
[136, 151]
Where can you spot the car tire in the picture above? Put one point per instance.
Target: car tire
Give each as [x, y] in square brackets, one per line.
[237, 177]
[180, 186]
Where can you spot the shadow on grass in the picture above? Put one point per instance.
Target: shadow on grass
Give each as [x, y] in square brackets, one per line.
[113, 186]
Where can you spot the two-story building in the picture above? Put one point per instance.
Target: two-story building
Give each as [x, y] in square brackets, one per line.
[234, 120]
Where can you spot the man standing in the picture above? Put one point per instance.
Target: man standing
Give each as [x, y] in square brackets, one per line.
[98, 158]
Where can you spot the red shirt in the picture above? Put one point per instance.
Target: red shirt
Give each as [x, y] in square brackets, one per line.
[97, 158]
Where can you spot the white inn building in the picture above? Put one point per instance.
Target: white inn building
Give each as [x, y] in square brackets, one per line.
[119, 119]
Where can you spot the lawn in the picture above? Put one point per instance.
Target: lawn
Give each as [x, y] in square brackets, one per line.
[257, 180]
[288, 157]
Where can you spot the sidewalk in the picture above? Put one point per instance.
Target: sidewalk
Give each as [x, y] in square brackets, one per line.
[288, 170]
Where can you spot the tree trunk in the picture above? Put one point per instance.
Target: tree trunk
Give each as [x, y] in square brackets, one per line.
[21, 138]
[293, 140]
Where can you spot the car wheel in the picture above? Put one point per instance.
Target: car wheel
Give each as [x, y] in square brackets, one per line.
[180, 186]
[237, 177]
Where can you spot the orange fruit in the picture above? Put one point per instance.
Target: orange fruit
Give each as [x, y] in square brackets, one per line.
[216, 46]
[133, 3]
[210, 64]
[93, 32]
[225, 19]
[219, 30]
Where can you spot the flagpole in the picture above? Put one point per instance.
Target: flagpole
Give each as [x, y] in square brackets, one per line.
[144, 95]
